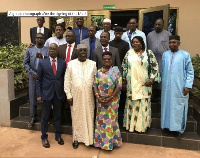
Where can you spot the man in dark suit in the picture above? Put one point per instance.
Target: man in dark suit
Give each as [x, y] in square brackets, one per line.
[97, 56]
[40, 29]
[81, 32]
[92, 42]
[67, 51]
[50, 91]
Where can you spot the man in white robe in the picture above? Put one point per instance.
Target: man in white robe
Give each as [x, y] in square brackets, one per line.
[79, 79]
[177, 79]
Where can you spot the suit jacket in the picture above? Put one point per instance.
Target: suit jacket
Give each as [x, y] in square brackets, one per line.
[47, 84]
[30, 60]
[62, 52]
[97, 57]
[87, 43]
[77, 34]
[33, 32]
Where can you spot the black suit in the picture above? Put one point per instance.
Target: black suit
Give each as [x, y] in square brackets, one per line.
[50, 88]
[33, 32]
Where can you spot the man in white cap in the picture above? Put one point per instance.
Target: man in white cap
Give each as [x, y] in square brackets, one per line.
[79, 78]
[106, 28]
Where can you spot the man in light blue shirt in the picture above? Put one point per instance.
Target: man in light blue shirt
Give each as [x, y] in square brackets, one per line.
[132, 32]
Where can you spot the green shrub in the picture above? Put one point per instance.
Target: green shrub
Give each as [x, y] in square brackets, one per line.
[196, 66]
[11, 57]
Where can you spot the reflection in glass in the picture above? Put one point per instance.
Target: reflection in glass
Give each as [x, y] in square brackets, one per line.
[149, 20]
[9, 32]
[172, 21]
[97, 20]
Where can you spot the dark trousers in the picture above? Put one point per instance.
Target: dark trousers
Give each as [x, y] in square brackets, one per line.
[46, 108]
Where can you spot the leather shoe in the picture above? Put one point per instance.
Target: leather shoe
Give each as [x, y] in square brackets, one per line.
[32, 122]
[75, 144]
[179, 135]
[45, 143]
[60, 141]
[165, 132]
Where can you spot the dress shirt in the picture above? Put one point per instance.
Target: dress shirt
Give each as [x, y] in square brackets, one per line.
[103, 48]
[52, 61]
[42, 30]
[71, 49]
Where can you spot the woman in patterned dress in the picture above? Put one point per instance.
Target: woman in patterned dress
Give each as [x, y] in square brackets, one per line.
[138, 81]
[107, 86]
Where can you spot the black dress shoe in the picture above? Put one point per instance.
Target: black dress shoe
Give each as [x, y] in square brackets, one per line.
[45, 143]
[60, 141]
[75, 144]
[179, 135]
[165, 132]
[32, 122]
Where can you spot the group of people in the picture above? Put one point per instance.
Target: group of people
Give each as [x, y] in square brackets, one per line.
[93, 70]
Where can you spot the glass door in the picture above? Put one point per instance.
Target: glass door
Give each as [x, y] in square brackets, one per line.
[96, 18]
[147, 17]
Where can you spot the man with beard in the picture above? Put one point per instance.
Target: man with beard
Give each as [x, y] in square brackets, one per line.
[81, 32]
[177, 80]
[31, 60]
[58, 39]
[78, 84]
[158, 42]
[122, 45]
[40, 29]
[106, 28]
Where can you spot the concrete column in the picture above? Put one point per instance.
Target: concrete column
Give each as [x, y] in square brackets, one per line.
[6, 95]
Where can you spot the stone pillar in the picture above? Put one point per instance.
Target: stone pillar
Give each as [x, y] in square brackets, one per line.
[6, 95]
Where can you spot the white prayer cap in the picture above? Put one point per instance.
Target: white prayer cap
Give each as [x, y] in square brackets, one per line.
[60, 21]
[81, 46]
[107, 20]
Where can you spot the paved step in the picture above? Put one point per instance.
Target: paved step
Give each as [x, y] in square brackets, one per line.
[22, 123]
[190, 140]
[156, 108]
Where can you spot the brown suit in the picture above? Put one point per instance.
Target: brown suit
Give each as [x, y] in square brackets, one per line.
[62, 52]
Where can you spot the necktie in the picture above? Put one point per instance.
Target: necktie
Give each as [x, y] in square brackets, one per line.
[54, 66]
[39, 30]
[91, 51]
[68, 54]
[105, 49]
[80, 32]
[129, 36]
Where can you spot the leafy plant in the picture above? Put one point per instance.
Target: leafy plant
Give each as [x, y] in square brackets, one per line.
[11, 57]
[196, 66]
